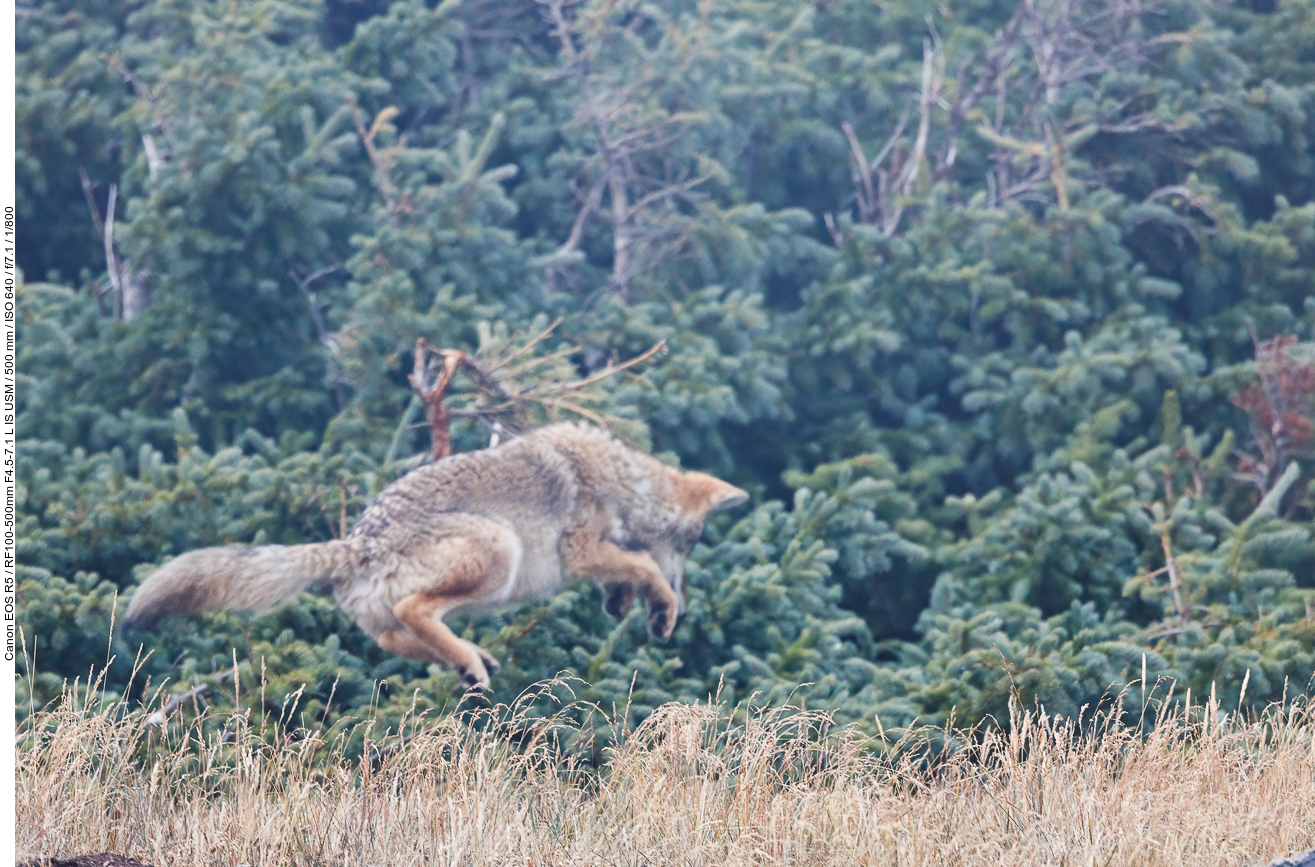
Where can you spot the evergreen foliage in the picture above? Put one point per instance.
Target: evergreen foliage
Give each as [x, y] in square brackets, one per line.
[982, 303]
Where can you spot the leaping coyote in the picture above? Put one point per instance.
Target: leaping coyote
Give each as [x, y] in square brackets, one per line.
[473, 533]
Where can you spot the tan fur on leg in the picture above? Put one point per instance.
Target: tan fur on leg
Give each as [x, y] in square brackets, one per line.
[405, 643]
[606, 563]
[422, 615]
[467, 570]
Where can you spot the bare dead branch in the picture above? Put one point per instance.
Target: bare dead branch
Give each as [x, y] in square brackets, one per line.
[343, 526]
[590, 207]
[156, 156]
[195, 695]
[868, 196]
[613, 171]
[1058, 170]
[317, 319]
[154, 159]
[431, 396]
[667, 192]
[933, 76]
[890, 142]
[990, 72]
[382, 163]
[528, 346]
[89, 193]
[608, 371]
[837, 236]
[111, 260]
[630, 161]
[1175, 581]
[497, 385]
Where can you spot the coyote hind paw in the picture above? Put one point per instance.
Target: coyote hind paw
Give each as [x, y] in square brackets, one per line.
[476, 673]
[490, 664]
[474, 676]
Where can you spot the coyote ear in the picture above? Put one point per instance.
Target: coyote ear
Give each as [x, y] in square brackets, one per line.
[705, 493]
[727, 496]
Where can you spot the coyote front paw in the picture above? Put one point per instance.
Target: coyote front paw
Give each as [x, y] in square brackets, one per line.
[617, 599]
[661, 620]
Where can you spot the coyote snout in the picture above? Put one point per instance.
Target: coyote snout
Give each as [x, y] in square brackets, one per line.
[473, 533]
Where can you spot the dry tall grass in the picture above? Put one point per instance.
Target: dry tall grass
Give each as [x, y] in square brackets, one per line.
[692, 786]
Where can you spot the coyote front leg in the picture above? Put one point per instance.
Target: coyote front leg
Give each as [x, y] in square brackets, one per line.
[617, 598]
[621, 573]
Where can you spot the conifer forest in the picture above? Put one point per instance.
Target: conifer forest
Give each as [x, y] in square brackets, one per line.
[1002, 312]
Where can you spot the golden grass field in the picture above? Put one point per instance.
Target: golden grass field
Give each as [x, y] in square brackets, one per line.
[693, 785]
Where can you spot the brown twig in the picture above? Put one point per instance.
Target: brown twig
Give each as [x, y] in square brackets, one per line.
[528, 346]
[431, 396]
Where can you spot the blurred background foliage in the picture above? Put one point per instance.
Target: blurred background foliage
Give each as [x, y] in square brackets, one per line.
[1003, 313]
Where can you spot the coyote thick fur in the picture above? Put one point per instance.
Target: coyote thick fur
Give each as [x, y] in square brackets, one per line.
[473, 533]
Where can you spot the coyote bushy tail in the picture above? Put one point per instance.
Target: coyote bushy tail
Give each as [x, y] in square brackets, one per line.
[247, 579]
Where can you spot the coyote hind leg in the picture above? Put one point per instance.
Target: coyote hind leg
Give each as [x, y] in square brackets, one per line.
[404, 642]
[463, 570]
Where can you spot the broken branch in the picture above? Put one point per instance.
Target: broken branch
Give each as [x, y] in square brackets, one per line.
[431, 396]
[503, 401]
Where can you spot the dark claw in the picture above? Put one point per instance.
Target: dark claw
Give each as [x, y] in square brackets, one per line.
[618, 600]
[469, 678]
[657, 623]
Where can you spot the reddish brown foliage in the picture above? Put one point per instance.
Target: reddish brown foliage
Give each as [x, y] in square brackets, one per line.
[1281, 404]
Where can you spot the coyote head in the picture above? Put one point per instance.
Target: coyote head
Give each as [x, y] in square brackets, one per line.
[696, 494]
